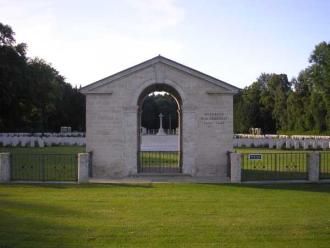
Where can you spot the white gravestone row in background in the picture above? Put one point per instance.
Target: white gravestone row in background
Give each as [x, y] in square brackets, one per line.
[37, 140]
[73, 134]
[279, 143]
[268, 141]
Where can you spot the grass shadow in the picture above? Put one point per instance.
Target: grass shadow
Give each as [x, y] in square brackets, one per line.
[255, 175]
[126, 185]
[41, 185]
[26, 225]
[308, 187]
[75, 185]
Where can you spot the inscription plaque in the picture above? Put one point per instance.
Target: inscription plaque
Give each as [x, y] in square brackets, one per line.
[213, 119]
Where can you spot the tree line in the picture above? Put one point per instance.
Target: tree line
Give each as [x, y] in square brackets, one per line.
[34, 97]
[276, 104]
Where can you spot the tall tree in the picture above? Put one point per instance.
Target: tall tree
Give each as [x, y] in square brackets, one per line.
[13, 74]
[34, 97]
[319, 72]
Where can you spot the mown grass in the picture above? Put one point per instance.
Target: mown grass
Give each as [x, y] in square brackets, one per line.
[325, 165]
[157, 158]
[165, 215]
[280, 164]
[57, 163]
[275, 166]
[44, 167]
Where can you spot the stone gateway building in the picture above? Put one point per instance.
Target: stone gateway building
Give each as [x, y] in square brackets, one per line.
[113, 112]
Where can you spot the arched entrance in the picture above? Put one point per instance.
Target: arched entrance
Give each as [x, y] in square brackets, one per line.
[113, 114]
[160, 150]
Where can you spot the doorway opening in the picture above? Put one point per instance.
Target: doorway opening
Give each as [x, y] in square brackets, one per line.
[159, 130]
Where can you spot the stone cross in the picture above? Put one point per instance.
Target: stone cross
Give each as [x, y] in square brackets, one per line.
[161, 120]
[161, 130]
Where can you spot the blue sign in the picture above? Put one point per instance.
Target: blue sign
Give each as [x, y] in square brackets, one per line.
[255, 156]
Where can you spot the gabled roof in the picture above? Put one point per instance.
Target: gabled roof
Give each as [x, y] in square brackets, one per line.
[166, 61]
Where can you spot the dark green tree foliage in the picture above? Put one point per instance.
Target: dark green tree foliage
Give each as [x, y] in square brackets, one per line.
[247, 110]
[34, 97]
[319, 72]
[309, 102]
[263, 104]
[275, 104]
[275, 90]
[13, 72]
[153, 105]
[6, 35]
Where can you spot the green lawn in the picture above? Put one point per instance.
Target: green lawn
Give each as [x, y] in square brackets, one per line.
[167, 158]
[58, 163]
[275, 166]
[44, 167]
[165, 215]
[159, 162]
[280, 164]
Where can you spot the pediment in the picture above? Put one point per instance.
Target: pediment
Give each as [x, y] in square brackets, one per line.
[220, 87]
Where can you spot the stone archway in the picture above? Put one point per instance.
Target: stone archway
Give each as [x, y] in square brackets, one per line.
[159, 167]
[112, 114]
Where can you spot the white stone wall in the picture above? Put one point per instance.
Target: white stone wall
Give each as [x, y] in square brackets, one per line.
[112, 127]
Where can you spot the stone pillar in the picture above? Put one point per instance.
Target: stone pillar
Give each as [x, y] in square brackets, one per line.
[131, 142]
[4, 167]
[235, 167]
[189, 142]
[313, 166]
[83, 162]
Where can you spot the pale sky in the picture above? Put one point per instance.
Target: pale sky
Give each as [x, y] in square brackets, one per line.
[232, 40]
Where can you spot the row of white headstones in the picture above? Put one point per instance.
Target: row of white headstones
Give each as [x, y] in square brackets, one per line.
[56, 139]
[32, 140]
[280, 143]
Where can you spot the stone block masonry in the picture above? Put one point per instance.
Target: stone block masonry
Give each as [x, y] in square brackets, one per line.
[206, 112]
[83, 167]
[235, 167]
[313, 166]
